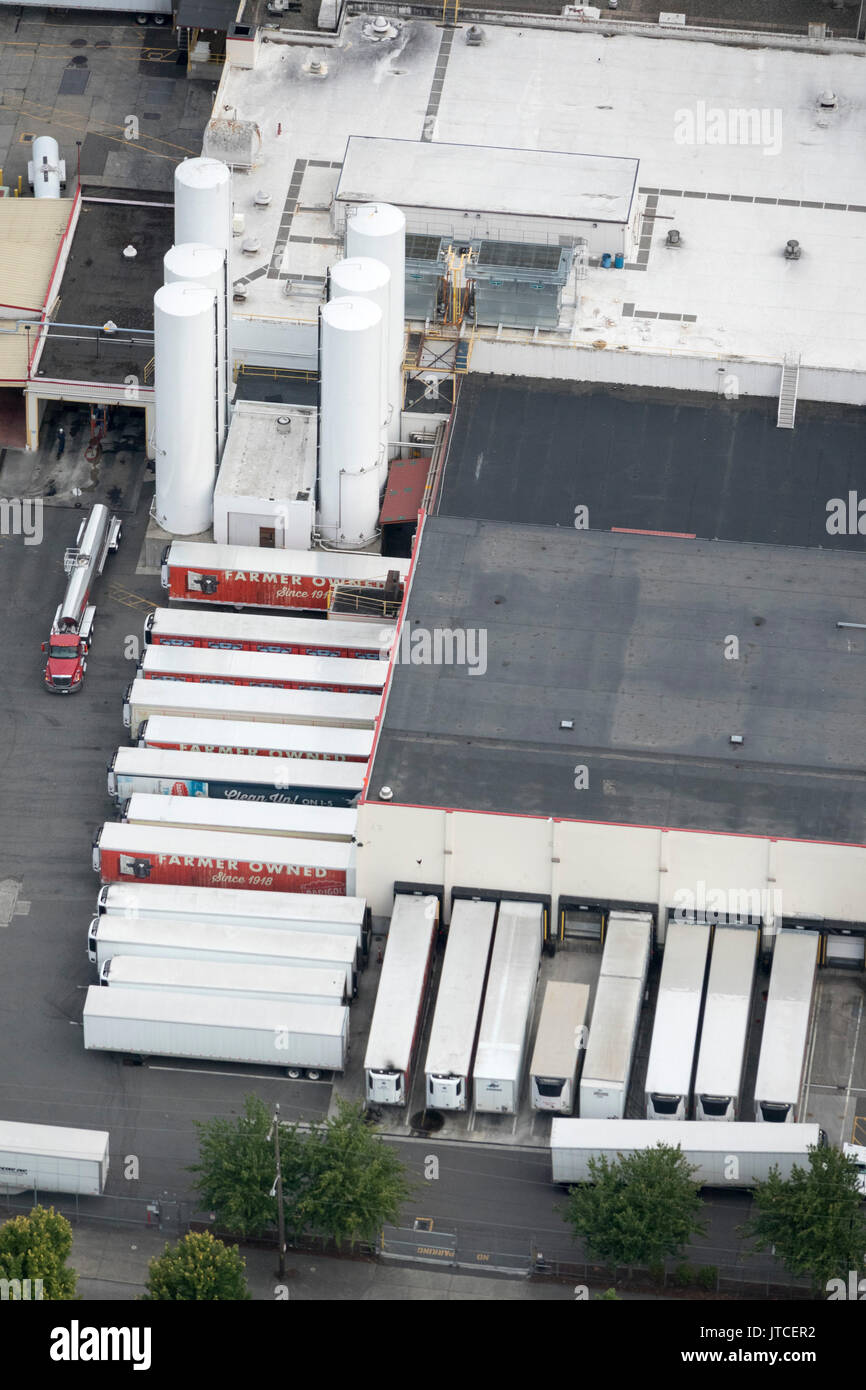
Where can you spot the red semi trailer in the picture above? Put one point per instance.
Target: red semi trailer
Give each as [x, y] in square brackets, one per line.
[249, 577]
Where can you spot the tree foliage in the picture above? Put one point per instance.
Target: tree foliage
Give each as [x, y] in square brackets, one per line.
[197, 1269]
[641, 1208]
[37, 1246]
[235, 1171]
[814, 1219]
[343, 1180]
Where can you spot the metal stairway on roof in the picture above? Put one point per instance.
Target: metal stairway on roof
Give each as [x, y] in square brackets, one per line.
[788, 393]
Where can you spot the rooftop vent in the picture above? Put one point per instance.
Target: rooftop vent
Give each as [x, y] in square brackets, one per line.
[130, 252]
[386, 794]
[238, 224]
[673, 238]
[239, 293]
[262, 198]
[566, 723]
[284, 424]
[381, 28]
[736, 739]
[793, 250]
[251, 245]
[474, 35]
[828, 100]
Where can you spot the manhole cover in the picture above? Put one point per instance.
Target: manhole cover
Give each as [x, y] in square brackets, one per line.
[427, 1120]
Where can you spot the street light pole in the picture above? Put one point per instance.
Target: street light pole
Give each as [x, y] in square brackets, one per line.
[278, 1185]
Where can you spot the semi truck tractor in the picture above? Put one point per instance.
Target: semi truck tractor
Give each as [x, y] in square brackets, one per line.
[74, 621]
[738, 1154]
[48, 1158]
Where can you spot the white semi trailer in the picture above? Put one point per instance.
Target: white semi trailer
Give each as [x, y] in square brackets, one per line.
[502, 1038]
[196, 700]
[454, 1032]
[395, 1028]
[725, 1029]
[291, 983]
[311, 1038]
[50, 1158]
[616, 1015]
[735, 1155]
[236, 945]
[559, 1042]
[668, 1088]
[787, 1026]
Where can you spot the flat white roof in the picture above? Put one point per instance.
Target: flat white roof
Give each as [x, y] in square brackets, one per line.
[477, 178]
[726, 291]
[262, 461]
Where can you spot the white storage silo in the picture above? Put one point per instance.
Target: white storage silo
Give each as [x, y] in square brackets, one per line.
[364, 278]
[203, 203]
[378, 230]
[350, 442]
[186, 390]
[206, 265]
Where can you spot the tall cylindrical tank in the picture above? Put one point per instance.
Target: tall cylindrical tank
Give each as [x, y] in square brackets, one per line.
[378, 230]
[203, 203]
[186, 388]
[205, 265]
[350, 422]
[45, 154]
[363, 278]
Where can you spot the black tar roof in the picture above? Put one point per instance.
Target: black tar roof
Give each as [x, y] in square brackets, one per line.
[626, 636]
[531, 451]
[99, 284]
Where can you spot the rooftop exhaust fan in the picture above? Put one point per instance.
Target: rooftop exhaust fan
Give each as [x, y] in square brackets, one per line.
[793, 250]
[262, 198]
[673, 238]
[474, 35]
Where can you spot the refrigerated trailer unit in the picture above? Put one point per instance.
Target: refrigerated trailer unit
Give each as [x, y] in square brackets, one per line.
[725, 1028]
[339, 916]
[454, 1031]
[670, 1069]
[214, 941]
[250, 577]
[234, 777]
[610, 1049]
[191, 700]
[210, 667]
[242, 817]
[293, 984]
[216, 859]
[49, 1158]
[266, 632]
[708, 1147]
[787, 1025]
[399, 1009]
[248, 738]
[147, 1023]
[560, 1039]
[499, 1058]
[627, 945]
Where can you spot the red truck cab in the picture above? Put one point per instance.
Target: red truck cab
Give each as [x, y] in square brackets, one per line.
[66, 664]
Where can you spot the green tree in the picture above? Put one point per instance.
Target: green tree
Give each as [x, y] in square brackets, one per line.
[341, 1179]
[37, 1246]
[235, 1171]
[197, 1269]
[641, 1208]
[813, 1219]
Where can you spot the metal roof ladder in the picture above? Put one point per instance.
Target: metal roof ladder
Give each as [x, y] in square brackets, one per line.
[788, 393]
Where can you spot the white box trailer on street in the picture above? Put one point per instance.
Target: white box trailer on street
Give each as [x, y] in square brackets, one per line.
[787, 1026]
[251, 703]
[292, 984]
[670, 1069]
[242, 906]
[560, 1039]
[266, 632]
[502, 1038]
[725, 1029]
[395, 1029]
[234, 777]
[735, 1155]
[50, 1158]
[248, 738]
[609, 1052]
[212, 858]
[150, 1023]
[237, 945]
[242, 817]
[454, 1032]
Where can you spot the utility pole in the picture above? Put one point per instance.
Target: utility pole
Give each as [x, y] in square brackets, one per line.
[278, 1188]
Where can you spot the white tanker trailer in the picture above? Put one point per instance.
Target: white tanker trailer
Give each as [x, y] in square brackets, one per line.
[72, 629]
